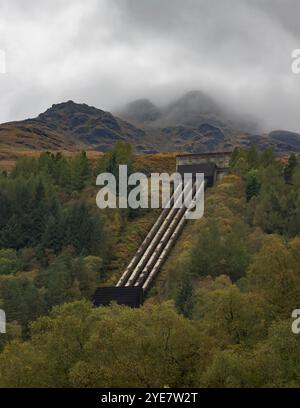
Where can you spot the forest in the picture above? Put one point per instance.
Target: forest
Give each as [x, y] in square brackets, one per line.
[220, 314]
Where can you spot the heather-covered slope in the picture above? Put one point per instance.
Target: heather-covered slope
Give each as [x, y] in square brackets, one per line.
[69, 126]
[194, 123]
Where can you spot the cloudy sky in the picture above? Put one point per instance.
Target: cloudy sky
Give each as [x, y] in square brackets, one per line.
[108, 52]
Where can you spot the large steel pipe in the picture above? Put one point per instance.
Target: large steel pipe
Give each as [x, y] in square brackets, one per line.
[171, 241]
[148, 252]
[164, 239]
[128, 271]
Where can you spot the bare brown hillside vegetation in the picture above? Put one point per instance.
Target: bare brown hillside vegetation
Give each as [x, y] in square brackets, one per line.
[194, 123]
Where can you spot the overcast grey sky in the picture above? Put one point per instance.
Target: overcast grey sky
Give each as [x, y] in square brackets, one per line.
[108, 52]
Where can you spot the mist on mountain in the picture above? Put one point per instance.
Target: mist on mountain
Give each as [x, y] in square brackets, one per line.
[194, 108]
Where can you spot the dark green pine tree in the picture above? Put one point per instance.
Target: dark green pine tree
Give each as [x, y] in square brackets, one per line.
[58, 279]
[253, 157]
[289, 169]
[80, 171]
[53, 237]
[11, 235]
[252, 185]
[5, 209]
[185, 297]
[38, 214]
[78, 228]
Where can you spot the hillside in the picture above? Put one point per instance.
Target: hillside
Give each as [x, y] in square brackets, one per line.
[218, 314]
[69, 126]
[197, 123]
[193, 123]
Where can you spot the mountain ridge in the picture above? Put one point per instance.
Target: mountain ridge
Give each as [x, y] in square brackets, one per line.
[69, 125]
[180, 126]
[191, 109]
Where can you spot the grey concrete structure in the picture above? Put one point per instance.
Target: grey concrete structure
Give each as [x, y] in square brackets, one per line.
[198, 162]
